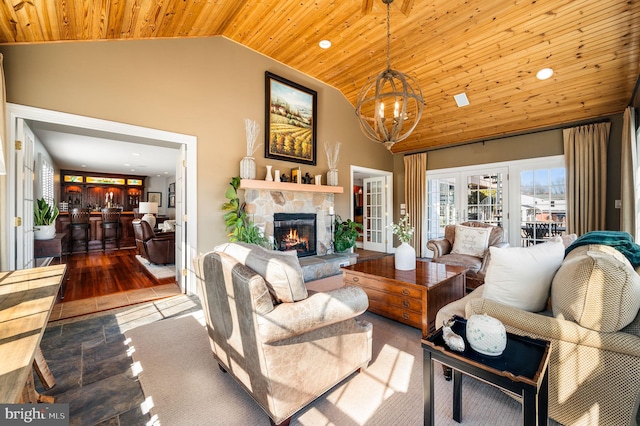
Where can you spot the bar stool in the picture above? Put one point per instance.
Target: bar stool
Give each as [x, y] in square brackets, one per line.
[79, 226]
[111, 224]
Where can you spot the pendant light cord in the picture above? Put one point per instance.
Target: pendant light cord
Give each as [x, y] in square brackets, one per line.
[389, 35]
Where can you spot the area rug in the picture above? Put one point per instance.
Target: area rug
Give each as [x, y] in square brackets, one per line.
[158, 271]
[184, 386]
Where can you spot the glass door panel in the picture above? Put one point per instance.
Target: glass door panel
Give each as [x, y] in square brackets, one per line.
[441, 205]
[543, 205]
[374, 222]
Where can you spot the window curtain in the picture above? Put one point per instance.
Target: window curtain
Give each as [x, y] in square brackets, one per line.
[585, 156]
[415, 190]
[629, 191]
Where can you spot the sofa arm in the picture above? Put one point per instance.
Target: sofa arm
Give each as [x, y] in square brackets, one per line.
[487, 257]
[318, 310]
[439, 247]
[541, 326]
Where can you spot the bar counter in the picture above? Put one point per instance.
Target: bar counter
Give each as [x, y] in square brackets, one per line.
[127, 239]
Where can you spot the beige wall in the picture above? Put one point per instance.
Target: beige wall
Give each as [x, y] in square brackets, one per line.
[204, 87]
[532, 145]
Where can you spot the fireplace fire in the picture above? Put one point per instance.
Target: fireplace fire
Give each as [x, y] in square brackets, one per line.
[295, 231]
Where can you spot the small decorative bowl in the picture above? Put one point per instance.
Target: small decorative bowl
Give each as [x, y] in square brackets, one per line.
[486, 335]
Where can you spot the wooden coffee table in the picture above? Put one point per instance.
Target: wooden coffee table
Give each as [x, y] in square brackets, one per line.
[410, 297]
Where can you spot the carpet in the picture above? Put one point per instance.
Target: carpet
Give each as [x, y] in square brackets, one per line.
[184, 386]
[158, 271]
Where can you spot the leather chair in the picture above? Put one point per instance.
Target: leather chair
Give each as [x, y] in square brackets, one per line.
[156, 248]
[111, 226]
[284, 346]
[477, 266]
[79, 228]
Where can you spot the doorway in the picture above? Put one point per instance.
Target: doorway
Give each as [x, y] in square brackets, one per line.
[187, 245]
[372, 207]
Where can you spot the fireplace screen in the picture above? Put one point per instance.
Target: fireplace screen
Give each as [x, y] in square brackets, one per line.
[295, 231]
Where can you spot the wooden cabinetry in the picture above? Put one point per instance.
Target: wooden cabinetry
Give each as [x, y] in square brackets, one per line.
[97, 190]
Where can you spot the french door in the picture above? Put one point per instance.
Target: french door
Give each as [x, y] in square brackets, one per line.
[459, 196]
[375, 216]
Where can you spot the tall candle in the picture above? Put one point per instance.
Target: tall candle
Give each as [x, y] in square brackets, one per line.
[331, 210]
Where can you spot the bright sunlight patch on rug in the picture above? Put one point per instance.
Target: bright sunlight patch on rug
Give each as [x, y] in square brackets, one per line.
[158, 271]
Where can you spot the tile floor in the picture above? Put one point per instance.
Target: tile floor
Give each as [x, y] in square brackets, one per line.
[93, 370]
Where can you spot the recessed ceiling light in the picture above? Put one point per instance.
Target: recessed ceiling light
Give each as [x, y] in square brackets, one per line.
[325, 44]
[135, 154]
[461, 99]
[544, 73]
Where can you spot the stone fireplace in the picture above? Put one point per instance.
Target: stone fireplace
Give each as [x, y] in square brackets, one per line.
[262, 204]
[295, 231]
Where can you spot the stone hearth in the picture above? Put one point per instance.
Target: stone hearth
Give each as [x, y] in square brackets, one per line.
[261, 204]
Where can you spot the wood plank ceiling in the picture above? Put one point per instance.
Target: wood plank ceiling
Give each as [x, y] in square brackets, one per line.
[491, 50]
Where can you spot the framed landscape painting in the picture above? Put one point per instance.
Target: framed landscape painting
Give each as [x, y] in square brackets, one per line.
[291, 121]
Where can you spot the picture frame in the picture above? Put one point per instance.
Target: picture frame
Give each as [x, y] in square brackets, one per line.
[155, 197]
[296, 175]
[171, 195]
[290, 120]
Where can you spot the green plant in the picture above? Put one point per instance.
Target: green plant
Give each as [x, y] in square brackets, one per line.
[239, 227]
[43, 213]
[403, 229]
[345, 234]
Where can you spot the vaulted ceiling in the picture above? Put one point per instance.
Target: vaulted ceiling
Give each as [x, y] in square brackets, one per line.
[490, 50]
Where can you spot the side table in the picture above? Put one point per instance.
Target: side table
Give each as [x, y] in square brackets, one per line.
[50, 248]
[522, 370]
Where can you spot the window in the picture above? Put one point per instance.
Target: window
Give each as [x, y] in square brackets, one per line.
[543, 204]
[45, 179]
[526, 197]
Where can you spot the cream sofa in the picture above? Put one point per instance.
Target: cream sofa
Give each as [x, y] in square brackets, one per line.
[285, 347]
[594, 328]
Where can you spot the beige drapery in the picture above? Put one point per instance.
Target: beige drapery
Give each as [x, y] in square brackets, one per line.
[585, 156]
[628, 176]
[415, 191]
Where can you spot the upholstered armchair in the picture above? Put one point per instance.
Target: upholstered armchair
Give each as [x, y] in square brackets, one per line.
[444, 251]
[157, 248]
[284, 346]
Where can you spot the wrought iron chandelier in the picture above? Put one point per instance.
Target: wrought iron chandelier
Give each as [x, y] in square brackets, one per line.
[390, 88]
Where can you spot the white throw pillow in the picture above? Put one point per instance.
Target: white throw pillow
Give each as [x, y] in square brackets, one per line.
[471, 240]
[521, 276]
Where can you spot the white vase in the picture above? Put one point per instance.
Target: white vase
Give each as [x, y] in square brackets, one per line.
[44, 232]
[405, 257]
[269, 177]
[248, 168]
[332, 177]
[276, 178]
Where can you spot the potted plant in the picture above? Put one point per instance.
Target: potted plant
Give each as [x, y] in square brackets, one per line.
[239, 226]
[44, 220]
[345, 234]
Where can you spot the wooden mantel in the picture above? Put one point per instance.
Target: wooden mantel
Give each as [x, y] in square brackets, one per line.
[288, 186]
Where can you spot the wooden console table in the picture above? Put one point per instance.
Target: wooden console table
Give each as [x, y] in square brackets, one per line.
[50, 248]
[410, 297]
[26, 299]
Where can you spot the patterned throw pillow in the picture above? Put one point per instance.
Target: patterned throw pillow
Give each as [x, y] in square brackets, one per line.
[471, 240]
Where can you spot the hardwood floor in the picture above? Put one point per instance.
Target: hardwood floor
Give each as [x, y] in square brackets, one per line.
[106, 273]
